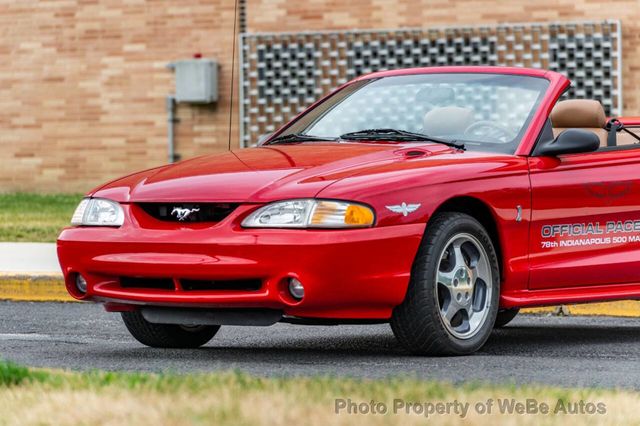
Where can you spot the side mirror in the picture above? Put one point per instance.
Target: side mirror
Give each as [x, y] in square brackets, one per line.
[570, 141]
[263, 138]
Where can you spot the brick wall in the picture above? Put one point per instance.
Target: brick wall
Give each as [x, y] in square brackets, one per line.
[83, 82]
[83, 86]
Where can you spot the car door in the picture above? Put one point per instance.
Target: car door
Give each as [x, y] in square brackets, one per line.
[585, 225]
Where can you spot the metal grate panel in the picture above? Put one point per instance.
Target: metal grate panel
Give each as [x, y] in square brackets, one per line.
[283, 73]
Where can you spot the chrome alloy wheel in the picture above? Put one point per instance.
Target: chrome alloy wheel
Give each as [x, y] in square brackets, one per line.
[464, 286]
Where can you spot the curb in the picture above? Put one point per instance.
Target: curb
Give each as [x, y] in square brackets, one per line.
[49, 287]
[34, 287]
[620, 308]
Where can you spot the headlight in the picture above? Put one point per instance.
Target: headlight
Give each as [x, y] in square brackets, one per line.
[308, 213]
[98, 212]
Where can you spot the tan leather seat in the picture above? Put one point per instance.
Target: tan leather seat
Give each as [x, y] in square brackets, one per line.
[584, 114]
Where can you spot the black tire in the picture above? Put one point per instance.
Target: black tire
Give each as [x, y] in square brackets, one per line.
[505, 316]
[417, 322]
[167, 335]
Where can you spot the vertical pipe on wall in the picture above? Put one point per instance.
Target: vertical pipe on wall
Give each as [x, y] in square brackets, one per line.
[171, 120]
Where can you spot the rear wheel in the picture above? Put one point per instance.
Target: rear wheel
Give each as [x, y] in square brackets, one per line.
[505, 316]
[167, 335]
[452, 300]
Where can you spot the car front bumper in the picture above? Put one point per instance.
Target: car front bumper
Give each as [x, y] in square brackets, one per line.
[347, 274]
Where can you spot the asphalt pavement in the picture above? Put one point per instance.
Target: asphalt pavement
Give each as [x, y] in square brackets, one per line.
[565, 351]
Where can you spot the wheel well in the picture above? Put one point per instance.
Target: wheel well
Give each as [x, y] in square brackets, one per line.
[479, 211]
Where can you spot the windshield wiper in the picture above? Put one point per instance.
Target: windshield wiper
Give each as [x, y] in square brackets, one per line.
[398, 135]
[297, 137]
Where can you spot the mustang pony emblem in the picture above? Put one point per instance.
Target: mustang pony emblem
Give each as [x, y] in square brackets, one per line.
[404, 208]
[182, 214]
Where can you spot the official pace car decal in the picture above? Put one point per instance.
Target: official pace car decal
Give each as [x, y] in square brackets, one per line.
[609, 192]
[590, 233]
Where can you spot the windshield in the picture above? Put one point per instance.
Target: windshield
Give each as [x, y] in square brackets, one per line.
[487, 112]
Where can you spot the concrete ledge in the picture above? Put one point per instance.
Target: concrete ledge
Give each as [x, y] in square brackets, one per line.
[34, 287]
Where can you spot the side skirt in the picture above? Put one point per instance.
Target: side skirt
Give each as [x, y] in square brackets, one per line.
[570, 295]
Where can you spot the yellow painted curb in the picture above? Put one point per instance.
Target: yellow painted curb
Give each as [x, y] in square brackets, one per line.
[34, 288]
[620, 308]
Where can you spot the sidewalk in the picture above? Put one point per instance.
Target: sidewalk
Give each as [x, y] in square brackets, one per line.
[31, 272]
[29, 258]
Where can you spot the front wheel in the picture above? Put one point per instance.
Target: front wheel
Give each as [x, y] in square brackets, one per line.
[452, 299]
[167, 335]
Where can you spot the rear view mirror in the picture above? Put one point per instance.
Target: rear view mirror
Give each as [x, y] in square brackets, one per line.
[571, 141]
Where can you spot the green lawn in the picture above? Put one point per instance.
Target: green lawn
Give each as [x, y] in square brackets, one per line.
[34, 217]
[43, 397]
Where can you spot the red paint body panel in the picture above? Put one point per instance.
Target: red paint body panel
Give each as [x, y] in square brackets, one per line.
[580, 189]
[347, 274]
[364, 273]
[630, 121]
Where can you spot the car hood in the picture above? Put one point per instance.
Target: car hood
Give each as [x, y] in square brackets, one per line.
[265, 173]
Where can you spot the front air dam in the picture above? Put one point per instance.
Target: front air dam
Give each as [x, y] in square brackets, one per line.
[255, 317]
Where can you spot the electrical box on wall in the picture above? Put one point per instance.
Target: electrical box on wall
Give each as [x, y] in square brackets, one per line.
[196, 80]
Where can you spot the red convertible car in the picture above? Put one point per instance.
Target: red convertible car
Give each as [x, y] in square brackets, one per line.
[440, 200]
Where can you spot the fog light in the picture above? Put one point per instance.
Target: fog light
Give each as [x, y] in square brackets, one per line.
[81, 284]
[296, 289]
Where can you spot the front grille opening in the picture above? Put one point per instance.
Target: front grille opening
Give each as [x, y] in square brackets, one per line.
[147, 283]
[188, 212]
[237, 285]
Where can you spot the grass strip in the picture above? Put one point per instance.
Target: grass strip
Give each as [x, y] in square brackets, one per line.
[33, 396]
[26, 217]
